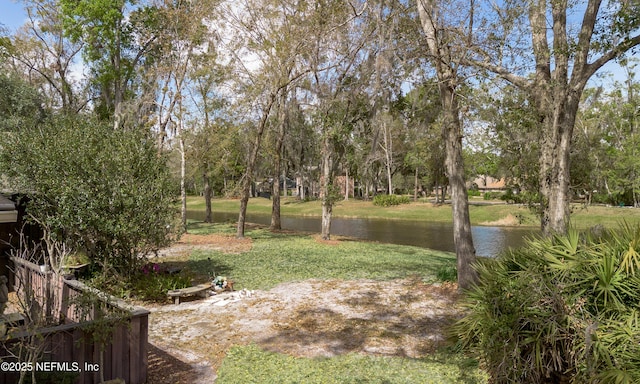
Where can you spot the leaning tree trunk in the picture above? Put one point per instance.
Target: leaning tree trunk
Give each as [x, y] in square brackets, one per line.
[251, 165]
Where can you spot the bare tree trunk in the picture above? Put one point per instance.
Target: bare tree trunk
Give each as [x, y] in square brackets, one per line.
[327, 198]
[388, 152]
[275, 197]
[415, 190]
[462, 239]
[251, 165]
[441, 57]
[346, 184]
[275, 203]
[558, 126]
[208, 217]
[183, 189]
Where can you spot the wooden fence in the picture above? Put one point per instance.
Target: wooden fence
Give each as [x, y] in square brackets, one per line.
[72, 345]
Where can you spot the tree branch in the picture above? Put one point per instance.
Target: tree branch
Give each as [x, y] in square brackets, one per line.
[617, 51]
[586, 32]
[518, 81]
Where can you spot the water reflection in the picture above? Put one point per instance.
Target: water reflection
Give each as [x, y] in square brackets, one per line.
[489, 241]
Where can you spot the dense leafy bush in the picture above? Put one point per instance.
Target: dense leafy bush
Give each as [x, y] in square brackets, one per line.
[473, 192]
[103, 192]
[389, 200]
[510, 197]
[561, 309]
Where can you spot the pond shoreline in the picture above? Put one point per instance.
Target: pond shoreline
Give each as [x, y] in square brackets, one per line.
[489, 240]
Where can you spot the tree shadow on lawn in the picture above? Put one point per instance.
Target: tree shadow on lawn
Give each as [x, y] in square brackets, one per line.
[326, 332]
[323, 332]
[200, 271]
[209, 267]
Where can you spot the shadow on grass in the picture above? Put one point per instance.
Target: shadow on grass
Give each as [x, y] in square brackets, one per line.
[394, 332]
[380, 331]
[209, 267]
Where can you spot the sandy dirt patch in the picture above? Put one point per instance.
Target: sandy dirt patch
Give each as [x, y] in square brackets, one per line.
[221, 242]
[308, 318]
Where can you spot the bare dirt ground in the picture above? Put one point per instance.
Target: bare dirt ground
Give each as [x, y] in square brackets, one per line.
[307, 318]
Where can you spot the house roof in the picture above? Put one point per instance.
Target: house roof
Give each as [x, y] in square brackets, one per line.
[490, 183]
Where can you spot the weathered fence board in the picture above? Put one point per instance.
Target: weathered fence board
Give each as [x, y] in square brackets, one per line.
[123, 356]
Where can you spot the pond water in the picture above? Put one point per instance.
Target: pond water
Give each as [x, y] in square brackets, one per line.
[489, 241]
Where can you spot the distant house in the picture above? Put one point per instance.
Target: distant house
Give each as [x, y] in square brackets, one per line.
[488, 184]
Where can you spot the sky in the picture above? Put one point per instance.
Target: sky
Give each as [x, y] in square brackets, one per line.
[13, 15]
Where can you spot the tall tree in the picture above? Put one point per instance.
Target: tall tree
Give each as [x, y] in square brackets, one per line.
[264, 47]
[182, 33]
[117, 36]
[445, 58]
[568, 43]
[209, 148]
[338, 37]
[41, 52]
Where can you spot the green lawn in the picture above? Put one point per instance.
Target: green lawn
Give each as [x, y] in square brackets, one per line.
[282, 257]
[277, 258]
[480, 214]
[250, 364]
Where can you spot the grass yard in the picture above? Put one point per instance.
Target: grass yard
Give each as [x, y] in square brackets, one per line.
[370, 306]
[250, 364]
[397, 315]
[283, 257]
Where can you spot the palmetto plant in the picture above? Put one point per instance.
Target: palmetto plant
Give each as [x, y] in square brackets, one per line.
[561, 309]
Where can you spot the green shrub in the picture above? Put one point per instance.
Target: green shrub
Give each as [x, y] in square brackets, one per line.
[389, 200]
[561, 309]
[154, 286]
[510, 197]
[473, 192]
[104, 192]
[447, 273]
[149, 283]
[492, 195]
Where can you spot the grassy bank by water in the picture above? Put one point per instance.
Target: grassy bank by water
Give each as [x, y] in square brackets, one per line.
[497, 214]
